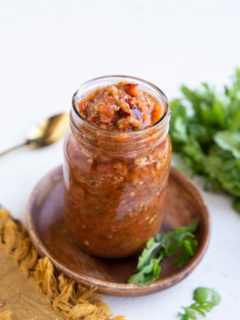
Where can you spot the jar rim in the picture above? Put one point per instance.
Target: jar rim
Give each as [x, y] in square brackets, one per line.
[149, 84]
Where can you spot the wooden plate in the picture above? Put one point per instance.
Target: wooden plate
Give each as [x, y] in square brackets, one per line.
[50, 237]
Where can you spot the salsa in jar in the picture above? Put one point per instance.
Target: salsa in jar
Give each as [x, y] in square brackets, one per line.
[117, 163]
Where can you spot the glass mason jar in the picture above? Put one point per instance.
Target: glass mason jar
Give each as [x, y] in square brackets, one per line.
[115, 182]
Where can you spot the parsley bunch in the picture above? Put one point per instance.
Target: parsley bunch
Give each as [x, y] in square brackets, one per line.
[180, 243]
[205, 130]
[205, 300]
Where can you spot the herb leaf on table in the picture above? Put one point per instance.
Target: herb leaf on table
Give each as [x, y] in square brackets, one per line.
[205, 130]
[180, 243]
[205, 300]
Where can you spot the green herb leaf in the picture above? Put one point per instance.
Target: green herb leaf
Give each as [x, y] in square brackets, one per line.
[148, 274]
[229, 141]
[205, 300]
[149, 252]
[205, 130]
[180, 243]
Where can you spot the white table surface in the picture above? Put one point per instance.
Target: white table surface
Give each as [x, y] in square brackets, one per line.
[48, 48]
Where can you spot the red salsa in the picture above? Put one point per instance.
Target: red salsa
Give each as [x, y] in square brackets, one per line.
[115, 172]
[122, 106]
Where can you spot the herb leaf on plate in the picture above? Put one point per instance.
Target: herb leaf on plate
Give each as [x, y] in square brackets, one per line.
[180, 243]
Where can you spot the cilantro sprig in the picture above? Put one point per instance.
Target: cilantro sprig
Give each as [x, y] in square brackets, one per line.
[205, 130]
[180, 243]
[205, 300]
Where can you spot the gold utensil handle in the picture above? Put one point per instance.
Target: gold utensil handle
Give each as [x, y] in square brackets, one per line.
[16, 147]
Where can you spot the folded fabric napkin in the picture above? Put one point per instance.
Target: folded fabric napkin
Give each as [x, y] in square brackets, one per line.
[30, 287]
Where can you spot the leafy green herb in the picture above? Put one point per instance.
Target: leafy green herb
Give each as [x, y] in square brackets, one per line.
[205, 300]
[229, 141]
[205, 130]
[180, 243]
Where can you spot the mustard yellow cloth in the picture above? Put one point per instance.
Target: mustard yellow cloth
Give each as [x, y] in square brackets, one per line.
[30, 287]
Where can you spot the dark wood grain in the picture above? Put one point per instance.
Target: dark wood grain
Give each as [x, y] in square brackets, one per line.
[46, 227]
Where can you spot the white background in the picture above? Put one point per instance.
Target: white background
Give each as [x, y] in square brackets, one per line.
[48, 48]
